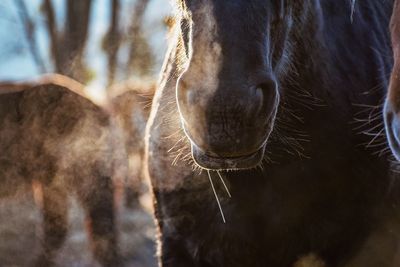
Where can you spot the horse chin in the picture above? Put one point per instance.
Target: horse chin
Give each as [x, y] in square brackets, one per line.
[208, 162]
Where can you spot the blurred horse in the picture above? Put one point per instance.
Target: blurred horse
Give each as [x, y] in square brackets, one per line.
[130, 103]
[53, 136]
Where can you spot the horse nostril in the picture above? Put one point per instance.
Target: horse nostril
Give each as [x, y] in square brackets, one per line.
[392, 126]
[259, 99]
[268, 84]
[266, 94]
[396, 128]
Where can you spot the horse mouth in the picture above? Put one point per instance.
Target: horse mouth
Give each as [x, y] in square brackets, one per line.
[213, 162]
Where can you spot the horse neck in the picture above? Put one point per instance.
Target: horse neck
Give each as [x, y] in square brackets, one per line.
[324, 48]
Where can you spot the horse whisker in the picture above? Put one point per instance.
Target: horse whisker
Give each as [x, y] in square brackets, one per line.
[216, 197]
[223, 182]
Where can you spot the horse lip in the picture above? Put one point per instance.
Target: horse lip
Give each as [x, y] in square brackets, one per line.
[224, 163]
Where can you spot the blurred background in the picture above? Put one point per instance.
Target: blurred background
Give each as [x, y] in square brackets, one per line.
[99, 43]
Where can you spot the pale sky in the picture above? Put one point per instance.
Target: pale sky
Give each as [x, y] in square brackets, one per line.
[16, 62]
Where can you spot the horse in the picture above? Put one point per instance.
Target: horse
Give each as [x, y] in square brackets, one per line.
[269, 99]
[130, 102]
[54, 136]
[391, 108]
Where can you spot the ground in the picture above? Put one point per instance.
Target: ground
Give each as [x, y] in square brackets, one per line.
[20, 234]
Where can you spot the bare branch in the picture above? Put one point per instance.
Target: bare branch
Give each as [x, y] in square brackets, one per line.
[113, 40]
[138, 13]
[138, 43]
[75, 37]
[52, 30]
[29, 27]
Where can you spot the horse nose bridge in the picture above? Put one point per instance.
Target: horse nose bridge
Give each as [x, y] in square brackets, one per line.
[253, 98]
[236, 105]
[248, 100]
[245, 103]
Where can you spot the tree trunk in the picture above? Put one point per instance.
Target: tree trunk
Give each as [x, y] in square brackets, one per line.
[29, 27]
[113, 41]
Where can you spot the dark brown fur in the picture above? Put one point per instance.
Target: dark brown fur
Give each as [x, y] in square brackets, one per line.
[325, 206]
